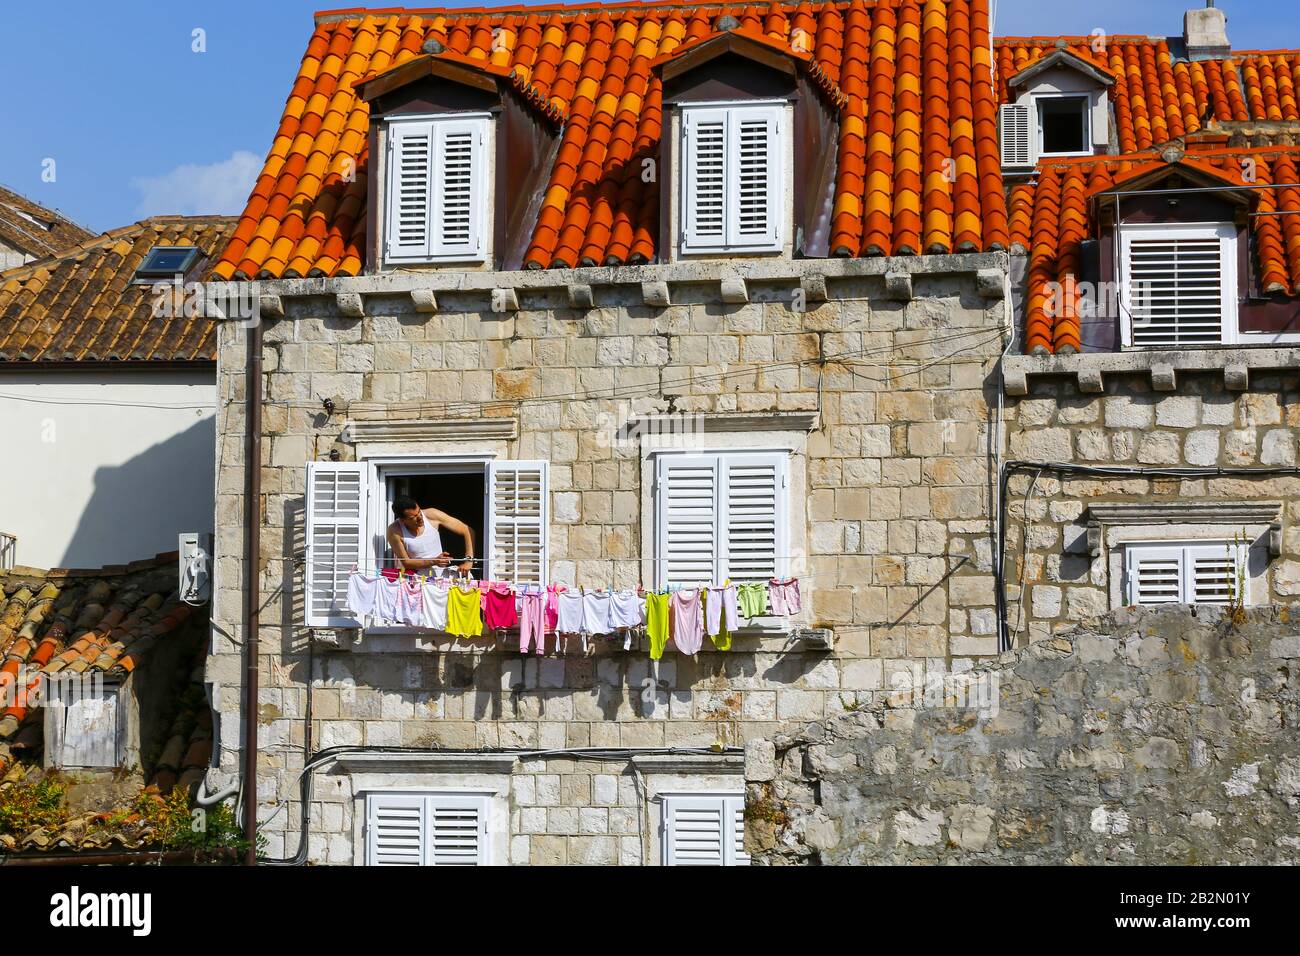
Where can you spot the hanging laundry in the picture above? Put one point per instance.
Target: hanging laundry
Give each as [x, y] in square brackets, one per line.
[532, 621]
[720, 613]
[410, 601]
[656, 623]
[687, 620]
[386, 600]
[435, 605]
[362, 592]
[784, 596]
[569, 618]
[627, 610]
[752, 599]
[499, 607]
[553, 592]
[464, 612]
[596, 611]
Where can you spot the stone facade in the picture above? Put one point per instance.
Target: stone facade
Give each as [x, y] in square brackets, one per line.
[889, 515]
[1148, 737]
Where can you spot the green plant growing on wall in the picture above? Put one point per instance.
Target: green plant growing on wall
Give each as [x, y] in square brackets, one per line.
[26, 806]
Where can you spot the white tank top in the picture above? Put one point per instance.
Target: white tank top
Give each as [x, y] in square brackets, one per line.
[427, 544]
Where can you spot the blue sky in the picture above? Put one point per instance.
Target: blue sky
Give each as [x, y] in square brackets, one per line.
[137, 123]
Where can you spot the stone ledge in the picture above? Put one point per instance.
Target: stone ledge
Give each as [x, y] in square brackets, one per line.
[1267, 513]
[380, 762]
[648, 425]
[430, 429]
[1089, 368]
[349, 292]
[690, 763]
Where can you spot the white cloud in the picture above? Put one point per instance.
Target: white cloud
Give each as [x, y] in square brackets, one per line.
[219, 188]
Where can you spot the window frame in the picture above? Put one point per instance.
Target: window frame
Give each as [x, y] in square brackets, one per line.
[1226, 232]
[783, 509]
[779, 209]
[1037, 102]
[732, 851]
[482, 209]
[57, 709]
[426, 799]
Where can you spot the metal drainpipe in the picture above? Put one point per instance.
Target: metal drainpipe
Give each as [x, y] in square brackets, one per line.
[253, 560]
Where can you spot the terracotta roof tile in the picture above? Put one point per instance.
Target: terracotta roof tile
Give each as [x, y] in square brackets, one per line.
[35, 231]
[82, 304]
[917, 157]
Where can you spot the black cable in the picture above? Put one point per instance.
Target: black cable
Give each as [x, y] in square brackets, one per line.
[1098, 471]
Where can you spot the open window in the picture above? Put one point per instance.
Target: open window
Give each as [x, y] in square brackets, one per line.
[720, 517]
[1064, 126]
[703, 829]
[438, 829]
[348, 511]
[1178, 284]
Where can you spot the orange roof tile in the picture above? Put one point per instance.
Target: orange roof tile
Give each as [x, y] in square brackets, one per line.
[1051, 217]
[917, 158]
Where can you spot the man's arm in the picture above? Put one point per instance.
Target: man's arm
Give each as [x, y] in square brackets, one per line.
[455, 526]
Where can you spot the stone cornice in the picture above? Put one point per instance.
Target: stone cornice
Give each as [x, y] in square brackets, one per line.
[383, 762]
[1267, 513]
[1088, 368]
[430, 429]
[712, 422]
[690, 763]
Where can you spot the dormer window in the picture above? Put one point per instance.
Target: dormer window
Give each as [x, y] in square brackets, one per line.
[437, 197]
[1063, 126]
[1179, 284]
[732, 178]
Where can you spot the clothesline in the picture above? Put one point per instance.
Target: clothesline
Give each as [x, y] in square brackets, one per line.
[462, 608]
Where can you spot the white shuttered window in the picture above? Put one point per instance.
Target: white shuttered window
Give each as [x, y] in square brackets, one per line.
[517, 521]
[437, 189]
[336, 536]
[1179, 284]
[733, 178]
[1013, 123]
[704, 830]
[1210, 573]
[426, 829]
[720, 516]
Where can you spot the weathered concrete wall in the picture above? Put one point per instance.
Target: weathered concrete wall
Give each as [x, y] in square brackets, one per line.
[1200, 425]
[1158, 736]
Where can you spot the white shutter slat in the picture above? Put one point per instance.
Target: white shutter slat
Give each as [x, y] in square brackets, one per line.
[336, 534]
[687, 513]
[753, 178]
[459, 198]
[754, 517]
[395, 830]
[704, 212]
[410, 184]
[1216, 573]
[456, 832]
[1014, 129]
[517, 521]
[706, 829]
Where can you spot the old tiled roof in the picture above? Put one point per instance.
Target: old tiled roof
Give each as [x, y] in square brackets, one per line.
[74, 621]
[82, 305]
[917, 159]
[35, 230]
[1050, 217]
[1157, 98]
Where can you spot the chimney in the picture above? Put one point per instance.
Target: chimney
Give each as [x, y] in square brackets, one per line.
[1206, 33]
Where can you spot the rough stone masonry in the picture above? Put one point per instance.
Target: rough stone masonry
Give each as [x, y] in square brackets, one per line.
[1158, 736]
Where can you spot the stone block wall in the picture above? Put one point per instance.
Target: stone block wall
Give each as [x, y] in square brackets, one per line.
[1162, 737]
[894, 541]
[1201, 424]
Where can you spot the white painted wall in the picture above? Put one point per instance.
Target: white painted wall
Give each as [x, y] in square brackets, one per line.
[107, 466]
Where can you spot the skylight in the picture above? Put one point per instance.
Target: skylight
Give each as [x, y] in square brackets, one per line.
[163, 262]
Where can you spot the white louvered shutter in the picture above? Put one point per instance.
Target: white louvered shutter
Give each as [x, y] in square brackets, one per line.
[517, 521]
[1155, 575]
[687, 509]
[755, 182]
[704, 213]
[704, 830]
[754, 518]
[395, 829]
[410, 181]
[336, 538]
[1215, 573]
[457, 831]
[1179, 285]
[1013, 125]
[460, 202]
